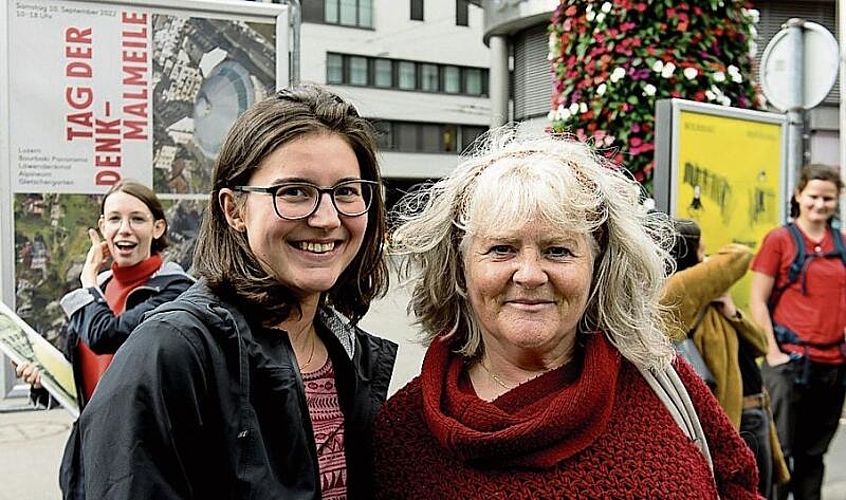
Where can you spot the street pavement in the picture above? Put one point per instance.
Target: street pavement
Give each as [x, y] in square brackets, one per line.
[32, 441]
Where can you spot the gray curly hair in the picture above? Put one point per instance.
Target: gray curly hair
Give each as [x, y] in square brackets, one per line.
[513, 176]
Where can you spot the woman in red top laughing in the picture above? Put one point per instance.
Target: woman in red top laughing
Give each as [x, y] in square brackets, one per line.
[109, 305]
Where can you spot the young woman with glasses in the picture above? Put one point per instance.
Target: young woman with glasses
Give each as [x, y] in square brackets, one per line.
[110, 304]
[256, 383]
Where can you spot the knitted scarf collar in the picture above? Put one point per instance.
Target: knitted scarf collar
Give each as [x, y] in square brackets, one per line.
[537, 425]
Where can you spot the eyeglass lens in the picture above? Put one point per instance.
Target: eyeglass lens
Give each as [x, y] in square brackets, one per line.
[116, 221]
[297, 201]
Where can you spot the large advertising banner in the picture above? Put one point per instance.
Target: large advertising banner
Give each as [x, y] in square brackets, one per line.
[98, 91]
[724, 168]
[82, 115]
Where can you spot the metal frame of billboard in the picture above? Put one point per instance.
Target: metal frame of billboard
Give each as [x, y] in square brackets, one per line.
[236, 10]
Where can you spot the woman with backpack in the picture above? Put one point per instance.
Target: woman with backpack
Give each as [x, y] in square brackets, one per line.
[798, 296]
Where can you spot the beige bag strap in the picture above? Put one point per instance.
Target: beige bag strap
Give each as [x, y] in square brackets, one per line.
[671, 391]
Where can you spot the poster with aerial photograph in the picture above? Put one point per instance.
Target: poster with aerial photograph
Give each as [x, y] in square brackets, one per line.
[125, 90]
[21, 344]
[143, 89]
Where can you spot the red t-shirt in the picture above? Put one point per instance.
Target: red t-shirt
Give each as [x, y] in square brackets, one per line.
[818, 315]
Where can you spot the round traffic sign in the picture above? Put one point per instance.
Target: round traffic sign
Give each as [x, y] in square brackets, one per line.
[818, 72]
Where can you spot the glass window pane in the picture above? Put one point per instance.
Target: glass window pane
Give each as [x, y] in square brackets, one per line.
[461, 13]
[405, 137]
[382, 74]
[365, 13]
[469, 134]
[334, 68]
[416, 10]
[430, 138]
[348, 13]
[358, 70]
[384, 135]
[407, 75]
[452, 80]
[429, 77]
[450, 137]
[331, 15]
[473, 81]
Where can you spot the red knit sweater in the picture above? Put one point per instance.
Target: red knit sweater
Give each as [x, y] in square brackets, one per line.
[595, 431]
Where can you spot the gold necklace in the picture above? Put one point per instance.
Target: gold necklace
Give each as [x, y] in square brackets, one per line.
[495, 378]
[311, 354]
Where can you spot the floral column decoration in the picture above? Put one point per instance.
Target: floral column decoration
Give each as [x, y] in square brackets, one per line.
[612, 59]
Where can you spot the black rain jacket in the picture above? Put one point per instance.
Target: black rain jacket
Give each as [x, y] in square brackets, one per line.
[198, 403]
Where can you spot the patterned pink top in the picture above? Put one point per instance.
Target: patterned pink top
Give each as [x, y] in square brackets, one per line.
[327, 422]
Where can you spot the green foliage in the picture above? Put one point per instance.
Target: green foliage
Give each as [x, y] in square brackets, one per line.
[612, 59]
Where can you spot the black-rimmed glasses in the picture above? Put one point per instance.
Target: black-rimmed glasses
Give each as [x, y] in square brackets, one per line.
[300, 200]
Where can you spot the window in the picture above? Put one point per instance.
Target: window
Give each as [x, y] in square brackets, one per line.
[416, 10]
[331, 11]
[358, 71]
[334, 68]
[407, 75]
[449, 138]
[365, 13]
[452, 79]
[405, 137]
[383, 73]
[473, 81]
[429, 77]
[384, 135]
[462, 16]
[349, 12]
[430, 138]
[413, 137]
[469, 133]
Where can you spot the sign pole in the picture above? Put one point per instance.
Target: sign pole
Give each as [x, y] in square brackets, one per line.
[795, 113]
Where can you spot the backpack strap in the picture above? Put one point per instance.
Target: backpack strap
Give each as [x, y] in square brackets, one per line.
[671, 391]
[798, 264]
[839, 248]
[801, 260]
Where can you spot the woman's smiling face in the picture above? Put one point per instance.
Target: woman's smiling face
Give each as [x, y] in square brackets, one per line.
[307, 255]
[529, 288]
[129, 229]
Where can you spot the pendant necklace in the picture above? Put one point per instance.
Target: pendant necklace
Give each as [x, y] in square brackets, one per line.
[496, 379]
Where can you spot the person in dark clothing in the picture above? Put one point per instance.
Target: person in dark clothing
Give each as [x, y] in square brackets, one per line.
[110, 304]
[698, 295]
[256, 383]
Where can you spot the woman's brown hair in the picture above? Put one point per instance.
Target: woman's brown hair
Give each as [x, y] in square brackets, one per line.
[223, 256]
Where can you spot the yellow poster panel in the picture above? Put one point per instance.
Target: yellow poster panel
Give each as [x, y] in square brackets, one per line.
[728, 179]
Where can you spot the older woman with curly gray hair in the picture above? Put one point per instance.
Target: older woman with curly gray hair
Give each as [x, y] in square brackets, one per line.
[537, 276]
